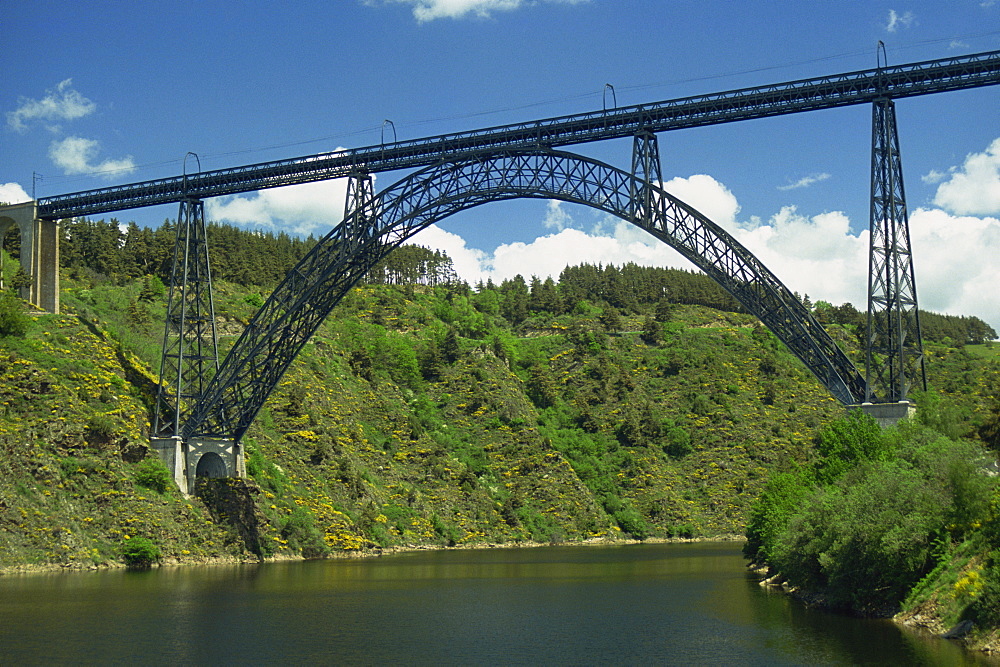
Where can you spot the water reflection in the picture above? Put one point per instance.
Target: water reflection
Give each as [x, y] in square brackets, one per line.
[662, 604]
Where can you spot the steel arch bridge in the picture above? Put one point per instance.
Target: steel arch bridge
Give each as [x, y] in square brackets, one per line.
[377, 224]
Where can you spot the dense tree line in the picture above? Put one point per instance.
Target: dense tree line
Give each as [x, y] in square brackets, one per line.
[106, 248]
[251, 258]
[961, 330]
[632, 287]
[954, 329]
[260, 259]
[413, 265]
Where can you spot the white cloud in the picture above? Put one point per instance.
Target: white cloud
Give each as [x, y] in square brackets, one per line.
[897, 21]
[61, 103]
[710, 197]
[302, 209]
[556, 217]
[974, 189]
[805, 181]
[933, 176]
[428, 10]
[76, 155]
[954, 259]
[13, 193]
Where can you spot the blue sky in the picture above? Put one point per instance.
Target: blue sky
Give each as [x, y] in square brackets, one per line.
[112, 92]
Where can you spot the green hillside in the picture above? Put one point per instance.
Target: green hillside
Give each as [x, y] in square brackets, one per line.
[419, 414]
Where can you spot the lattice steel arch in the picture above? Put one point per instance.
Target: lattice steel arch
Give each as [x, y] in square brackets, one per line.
[309, 292]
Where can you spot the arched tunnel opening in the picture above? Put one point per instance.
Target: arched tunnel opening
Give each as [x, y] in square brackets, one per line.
[211, 466]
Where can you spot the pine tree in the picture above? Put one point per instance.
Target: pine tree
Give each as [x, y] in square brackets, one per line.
[651, 332]
[450, 348]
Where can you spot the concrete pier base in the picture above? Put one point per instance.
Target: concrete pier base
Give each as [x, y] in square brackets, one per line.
[887, 414]
[199, 457]
[174, 456]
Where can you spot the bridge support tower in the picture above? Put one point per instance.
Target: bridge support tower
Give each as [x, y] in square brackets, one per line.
[894, 360]
[39, 253]
[190, 359]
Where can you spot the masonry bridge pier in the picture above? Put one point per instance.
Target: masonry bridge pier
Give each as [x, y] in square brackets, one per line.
[199, 457]
[205, 405]
[39, 253]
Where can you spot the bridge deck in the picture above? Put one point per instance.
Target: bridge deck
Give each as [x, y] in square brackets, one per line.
[865, 86]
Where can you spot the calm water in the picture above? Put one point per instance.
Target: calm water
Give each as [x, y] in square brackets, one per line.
[689, 604]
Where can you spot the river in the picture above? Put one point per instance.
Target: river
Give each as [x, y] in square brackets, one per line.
[683, 604]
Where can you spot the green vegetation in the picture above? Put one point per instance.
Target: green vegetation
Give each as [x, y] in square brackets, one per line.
[13, 320]
[139, 553]
[882, 522]
[153, 475]
[871, 514]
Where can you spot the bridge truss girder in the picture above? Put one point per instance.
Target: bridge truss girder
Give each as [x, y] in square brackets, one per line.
[297, 307]
[826, 92]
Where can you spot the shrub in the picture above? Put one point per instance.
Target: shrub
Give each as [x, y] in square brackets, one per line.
[676, 442]
[770, 514]
[632, 522]
[874, 518]
[302, 534]
[139, 553]
[849, 542]
[13, 320]
[448, 532]
[101, 427]
[848, 441]
[254, 300]
[866, 540]
[72, 465]
[684, 530]
[152, 474]
[985, 607]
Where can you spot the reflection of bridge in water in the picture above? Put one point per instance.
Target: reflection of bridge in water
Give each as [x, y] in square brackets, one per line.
[204, 407]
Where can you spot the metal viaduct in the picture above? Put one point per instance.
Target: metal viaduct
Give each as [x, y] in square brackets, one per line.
[205, 407]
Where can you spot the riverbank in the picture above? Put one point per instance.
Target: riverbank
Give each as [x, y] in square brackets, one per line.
[376, 552]
[926, 618]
